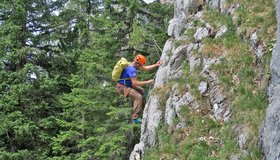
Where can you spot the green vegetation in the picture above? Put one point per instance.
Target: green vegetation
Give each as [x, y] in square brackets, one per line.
[238, 73]
[257, 14]
[196, 141]
[57, 97]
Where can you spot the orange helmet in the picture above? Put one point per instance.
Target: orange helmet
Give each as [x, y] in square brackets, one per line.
[141, 59]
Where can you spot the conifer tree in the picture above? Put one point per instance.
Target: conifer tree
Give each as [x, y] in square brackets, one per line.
[33, 69]
[57, 97]
[95, 120]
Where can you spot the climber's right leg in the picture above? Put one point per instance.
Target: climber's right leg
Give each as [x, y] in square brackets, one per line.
[137, 104]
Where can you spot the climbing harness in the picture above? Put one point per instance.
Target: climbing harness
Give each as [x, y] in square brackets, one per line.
[122, 89]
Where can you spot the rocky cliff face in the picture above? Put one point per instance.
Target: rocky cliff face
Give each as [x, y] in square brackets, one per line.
[270, 133]
[185, 51]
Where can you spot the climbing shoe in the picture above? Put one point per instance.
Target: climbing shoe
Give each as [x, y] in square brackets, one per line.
[145, 94]
[136, 121]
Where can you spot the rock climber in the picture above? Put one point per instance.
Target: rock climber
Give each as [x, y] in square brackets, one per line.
[129, 85]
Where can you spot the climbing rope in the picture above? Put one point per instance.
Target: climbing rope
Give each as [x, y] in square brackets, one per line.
[147, 92]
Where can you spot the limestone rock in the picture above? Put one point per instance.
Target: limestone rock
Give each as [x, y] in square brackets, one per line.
[200, 33]
[222, 30]
[270, 132]
[202, 87]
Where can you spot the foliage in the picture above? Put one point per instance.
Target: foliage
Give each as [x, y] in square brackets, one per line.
[57, 98]
[238, 72]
